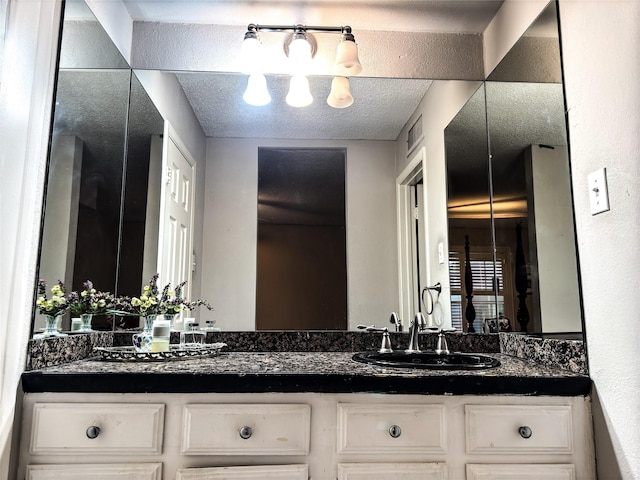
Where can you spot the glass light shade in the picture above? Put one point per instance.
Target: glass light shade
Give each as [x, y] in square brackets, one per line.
[347, 63]
[340, 96]
[251, 56]
[299, 94]
[299, 53]
[256, 93]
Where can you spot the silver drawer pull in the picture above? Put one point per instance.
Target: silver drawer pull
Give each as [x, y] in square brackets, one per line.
[93, 432]
[525, 432]
[245, 432]
[395, 431]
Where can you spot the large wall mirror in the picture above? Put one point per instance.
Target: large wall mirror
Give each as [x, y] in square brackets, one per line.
[101, 210]
[102, 138]
[511, 229]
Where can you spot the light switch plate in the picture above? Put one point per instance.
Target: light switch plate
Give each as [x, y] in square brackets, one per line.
[598, 191]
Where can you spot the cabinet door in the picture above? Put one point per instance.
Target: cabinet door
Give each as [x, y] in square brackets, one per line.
[391, 429]
[519, 429]
[260, 472]
[521, 472]
[115, 471]
[97, 428]
[246, 429]
[396, 471]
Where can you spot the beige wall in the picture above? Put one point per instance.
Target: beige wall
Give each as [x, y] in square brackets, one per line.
[230, 224]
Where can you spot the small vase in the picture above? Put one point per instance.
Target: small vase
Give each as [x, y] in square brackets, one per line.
[51, 327]
[171, 318]
[86, 322]
[148, 323]
[142, 341]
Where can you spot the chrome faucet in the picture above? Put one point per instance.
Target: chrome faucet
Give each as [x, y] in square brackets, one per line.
[417, 325]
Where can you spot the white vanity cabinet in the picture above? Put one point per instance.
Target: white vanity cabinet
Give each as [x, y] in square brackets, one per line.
[299, 436]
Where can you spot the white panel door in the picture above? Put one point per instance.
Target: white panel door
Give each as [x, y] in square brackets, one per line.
[176, 213]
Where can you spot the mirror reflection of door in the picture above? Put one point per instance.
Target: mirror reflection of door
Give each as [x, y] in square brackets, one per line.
[176, 213]
[301, 252]
[418, 244]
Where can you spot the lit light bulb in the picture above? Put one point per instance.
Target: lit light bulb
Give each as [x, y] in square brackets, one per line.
[257, 93]
[299, 94]
[300, 54]
[340, 96]
[347, 62]
[251, 54]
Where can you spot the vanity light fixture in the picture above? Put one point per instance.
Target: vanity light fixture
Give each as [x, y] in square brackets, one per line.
[300, 46]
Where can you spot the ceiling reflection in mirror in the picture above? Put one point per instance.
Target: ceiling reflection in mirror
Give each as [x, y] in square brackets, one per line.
[381, 108]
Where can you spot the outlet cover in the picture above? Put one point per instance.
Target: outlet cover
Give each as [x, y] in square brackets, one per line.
[598, 191]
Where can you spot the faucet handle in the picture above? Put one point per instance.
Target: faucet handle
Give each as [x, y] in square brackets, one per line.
[442, 348]
[385, 347]
[395, 320]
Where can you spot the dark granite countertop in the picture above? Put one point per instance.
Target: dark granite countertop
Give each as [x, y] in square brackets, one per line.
[325, 372]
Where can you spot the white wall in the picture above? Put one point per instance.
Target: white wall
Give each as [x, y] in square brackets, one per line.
[506, 28]
[552, 238]
[59, 229]
[117, 22]
[25, 105]
[442, 102]
[230, 227]
[600, 48]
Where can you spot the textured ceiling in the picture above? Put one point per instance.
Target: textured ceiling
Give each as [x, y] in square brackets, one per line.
[380, 110]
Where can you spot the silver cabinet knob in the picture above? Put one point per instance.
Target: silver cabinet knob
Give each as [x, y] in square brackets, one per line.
[93, 432]
[245, 432]
[395, 431]
[525, 432]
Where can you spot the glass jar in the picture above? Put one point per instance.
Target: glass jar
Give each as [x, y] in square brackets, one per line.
[161, 336]
[193, 337]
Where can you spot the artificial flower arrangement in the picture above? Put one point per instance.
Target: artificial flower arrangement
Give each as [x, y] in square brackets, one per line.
[90, 301]
[152, 301]
[54, 306]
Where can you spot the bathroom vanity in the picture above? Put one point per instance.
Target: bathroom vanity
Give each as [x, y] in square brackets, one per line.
[305, 415]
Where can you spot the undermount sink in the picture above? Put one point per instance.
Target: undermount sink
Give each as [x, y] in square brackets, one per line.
[432, 360]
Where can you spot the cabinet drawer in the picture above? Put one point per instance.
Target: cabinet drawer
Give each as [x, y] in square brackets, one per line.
[521, 472]
[113, 471]
[122, 429]
[246, 429]
[497, 429]
[391, 429]
[396, 471]
[260, 472]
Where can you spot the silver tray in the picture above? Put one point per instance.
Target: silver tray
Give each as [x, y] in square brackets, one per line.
[176, 352]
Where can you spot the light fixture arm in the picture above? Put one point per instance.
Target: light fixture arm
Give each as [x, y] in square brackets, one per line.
[254, 27]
